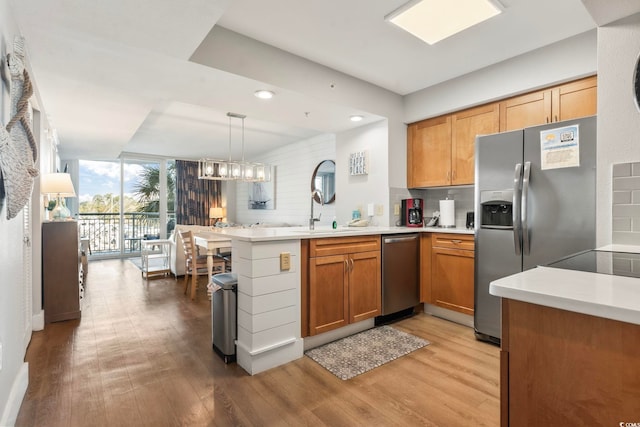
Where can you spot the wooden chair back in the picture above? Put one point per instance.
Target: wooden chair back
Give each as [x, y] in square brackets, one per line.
[188, 246]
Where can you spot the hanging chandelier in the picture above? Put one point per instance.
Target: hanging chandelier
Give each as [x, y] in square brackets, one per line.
[232, 170]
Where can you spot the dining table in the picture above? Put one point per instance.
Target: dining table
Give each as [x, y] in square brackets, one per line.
[212, 242]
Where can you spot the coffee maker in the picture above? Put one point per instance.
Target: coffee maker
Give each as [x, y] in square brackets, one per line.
[411, 212]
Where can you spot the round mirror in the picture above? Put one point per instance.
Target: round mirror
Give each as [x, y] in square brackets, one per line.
[324, 179]
[636, 84]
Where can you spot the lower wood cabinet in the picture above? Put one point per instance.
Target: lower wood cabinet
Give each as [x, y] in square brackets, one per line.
[60, 271]
[559, 367]
[344, 282]
[452, 271]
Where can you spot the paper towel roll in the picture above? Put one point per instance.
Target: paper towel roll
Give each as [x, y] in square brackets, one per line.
[447, 213]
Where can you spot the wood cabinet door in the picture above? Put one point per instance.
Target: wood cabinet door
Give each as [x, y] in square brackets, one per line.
[328, 293]
[464, 128]
[576, 99]
[452, 279]
[365, 286]
[526, 110]
[429, 153]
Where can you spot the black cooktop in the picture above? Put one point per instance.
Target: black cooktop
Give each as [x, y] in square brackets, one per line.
[605, 262]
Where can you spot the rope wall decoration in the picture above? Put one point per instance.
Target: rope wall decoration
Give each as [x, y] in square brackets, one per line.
[18, 148]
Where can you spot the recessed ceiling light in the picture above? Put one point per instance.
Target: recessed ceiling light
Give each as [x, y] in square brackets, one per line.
[264, 94]
[435, 20]
[356, 118]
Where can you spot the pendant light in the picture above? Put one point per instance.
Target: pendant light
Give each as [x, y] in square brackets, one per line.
[226, 170]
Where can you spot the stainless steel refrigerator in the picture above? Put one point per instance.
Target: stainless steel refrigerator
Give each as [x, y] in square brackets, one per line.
[535, 202]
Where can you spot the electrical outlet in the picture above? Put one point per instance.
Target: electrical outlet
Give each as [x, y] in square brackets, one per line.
[379, 210]
[285, 261]
[396, 209]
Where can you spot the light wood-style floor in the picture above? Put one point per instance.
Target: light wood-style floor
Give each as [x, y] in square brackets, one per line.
[141, 356]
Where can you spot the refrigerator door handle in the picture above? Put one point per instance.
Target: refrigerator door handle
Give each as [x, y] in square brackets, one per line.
[525, 198]
[516, 209]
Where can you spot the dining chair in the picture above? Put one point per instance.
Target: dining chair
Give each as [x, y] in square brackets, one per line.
[195, 265]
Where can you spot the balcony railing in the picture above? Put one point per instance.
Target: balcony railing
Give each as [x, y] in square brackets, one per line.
[104, 231]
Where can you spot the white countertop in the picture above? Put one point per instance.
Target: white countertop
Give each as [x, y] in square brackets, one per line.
[602, 295]
[257, 234]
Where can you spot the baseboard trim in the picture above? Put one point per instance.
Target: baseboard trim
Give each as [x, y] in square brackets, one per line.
[18, 390]
[336, 334]
[453, 316]
[37, 321]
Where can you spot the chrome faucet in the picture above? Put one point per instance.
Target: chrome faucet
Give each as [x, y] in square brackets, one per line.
[312, 220]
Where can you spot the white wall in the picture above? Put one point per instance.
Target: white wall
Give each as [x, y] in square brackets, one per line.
[294, 165]
[16, 316]
[268, 64]
[12, 323]
[618, 117]
[11, 265]
[566, 60]
[355, 192]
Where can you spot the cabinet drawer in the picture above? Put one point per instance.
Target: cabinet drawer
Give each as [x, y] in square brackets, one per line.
[453, 241]
[343, 245]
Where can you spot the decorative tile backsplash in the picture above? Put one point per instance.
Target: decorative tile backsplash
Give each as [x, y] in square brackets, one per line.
[626, 204]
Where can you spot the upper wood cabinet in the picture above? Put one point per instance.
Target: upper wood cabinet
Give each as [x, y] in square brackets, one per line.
[526, 110]
[575, 99]
[429, 153]
[565, 102]
[466, 125]
[441, 150]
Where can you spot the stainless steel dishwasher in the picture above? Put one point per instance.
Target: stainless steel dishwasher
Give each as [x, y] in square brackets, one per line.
[400, 272]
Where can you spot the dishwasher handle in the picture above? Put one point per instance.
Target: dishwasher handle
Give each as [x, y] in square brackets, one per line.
[399, 239]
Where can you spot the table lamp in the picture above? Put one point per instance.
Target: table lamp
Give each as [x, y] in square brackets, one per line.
[215, 214]
[58, 185]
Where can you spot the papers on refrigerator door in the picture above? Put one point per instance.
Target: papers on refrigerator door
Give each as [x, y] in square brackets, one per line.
[560, 147]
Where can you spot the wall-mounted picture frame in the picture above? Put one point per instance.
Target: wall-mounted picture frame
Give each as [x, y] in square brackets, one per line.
[262, 195]
[359, 163]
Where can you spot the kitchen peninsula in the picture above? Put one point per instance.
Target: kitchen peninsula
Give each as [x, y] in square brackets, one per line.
[570, 344]
[270, 291]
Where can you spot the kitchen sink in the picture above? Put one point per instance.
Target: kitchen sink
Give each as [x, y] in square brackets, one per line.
[338, 230]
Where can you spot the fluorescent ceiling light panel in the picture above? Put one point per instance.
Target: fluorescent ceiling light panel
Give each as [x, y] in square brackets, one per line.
[435, 20]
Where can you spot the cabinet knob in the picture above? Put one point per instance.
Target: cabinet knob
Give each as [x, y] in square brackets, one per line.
[456, 241]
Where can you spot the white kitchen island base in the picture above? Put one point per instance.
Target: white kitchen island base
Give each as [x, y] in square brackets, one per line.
[268, 304]
[269, 314]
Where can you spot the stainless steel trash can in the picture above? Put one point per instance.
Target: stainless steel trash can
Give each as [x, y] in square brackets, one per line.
[224, 316]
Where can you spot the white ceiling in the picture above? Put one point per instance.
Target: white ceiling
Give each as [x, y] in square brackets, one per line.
[115, 76]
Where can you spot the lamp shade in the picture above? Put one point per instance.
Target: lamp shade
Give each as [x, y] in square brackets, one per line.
[57, 183]
[215, 213]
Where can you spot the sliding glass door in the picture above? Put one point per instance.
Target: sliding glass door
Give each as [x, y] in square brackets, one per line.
[124, 202]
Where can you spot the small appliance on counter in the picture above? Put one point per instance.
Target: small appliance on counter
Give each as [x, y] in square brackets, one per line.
[411, 212]
[470, 224]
